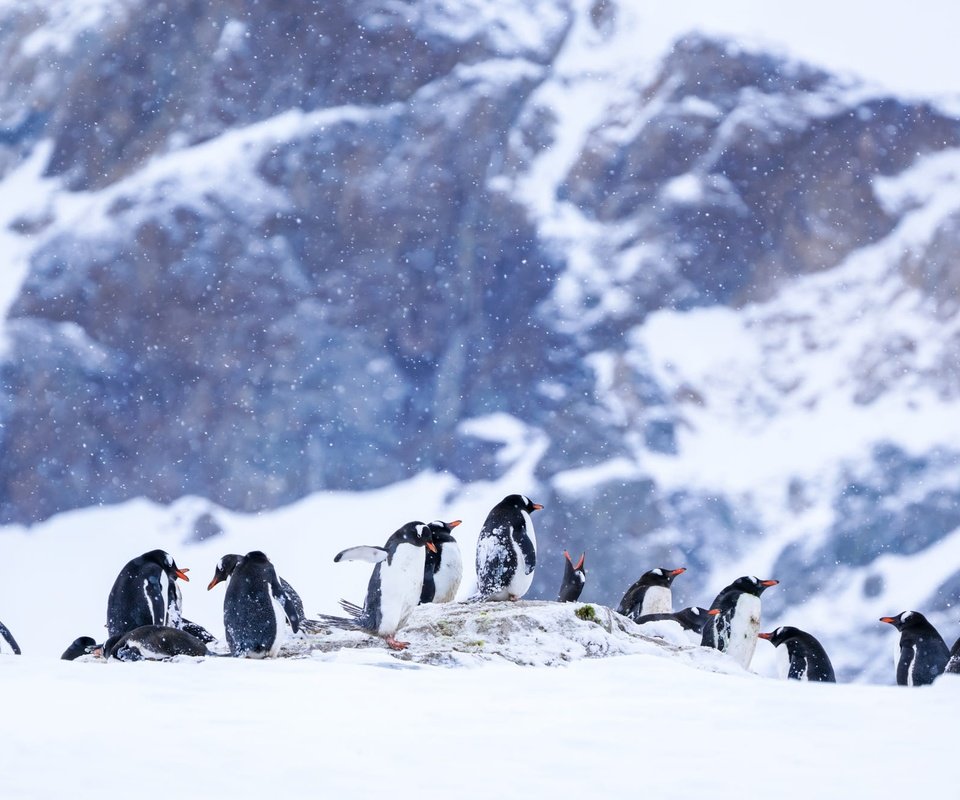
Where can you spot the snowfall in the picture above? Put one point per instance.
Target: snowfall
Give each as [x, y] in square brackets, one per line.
[544, 714]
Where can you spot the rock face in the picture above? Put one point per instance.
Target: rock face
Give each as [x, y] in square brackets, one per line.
[273, 249]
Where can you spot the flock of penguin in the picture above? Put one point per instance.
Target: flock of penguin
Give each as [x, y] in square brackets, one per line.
[421, 563]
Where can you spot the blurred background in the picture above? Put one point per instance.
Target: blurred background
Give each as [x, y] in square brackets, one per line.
[688, 277]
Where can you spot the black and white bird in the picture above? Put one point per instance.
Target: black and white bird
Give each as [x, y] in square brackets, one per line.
[953, 664]
[81, 646]
[683, 627]
[574, 578]
[145, 593]
[256, 610]
[734, 630]
[395, 585]
[293, 605]
[507, 550]
[8, 644]
[443, 569]
[800, 655]
[922, 654]
[153, 643]
[650, 594]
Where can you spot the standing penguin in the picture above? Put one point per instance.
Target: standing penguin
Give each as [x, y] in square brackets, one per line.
[734, 629]
[293, 605]
[574, 578]
[650, 594]
[8, 644]
[802, 657]
[923, 655]
[144, 594]
[507, 550]
[255, 608]
[395, 585]
[442, 569]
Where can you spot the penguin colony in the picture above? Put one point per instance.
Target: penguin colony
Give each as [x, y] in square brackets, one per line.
[421, 563]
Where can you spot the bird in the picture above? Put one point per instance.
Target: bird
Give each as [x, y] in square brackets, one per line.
[953, 665]
[801, 656]
[293, 603]
[734, 630]
[145, 593]
[922, 654]
[574, 578]
[8, 644]
[81, 646]
[507, 550]
[395, 585]
[442, 569]
[153, 643]
[650, 594]
[689, 619]
[256, 610]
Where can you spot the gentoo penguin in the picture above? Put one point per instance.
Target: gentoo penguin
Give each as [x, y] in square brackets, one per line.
[442, 569]
[650, 594]
[574, 577]
[153, 643]
[801, 657]
[395, 585]
[293, 603]
[690, 619]
[923, 655]
[82, 646]
[734, 630]
[196, 630]
[256, 610]
[507, 550]
[144, 593]
[8, 644]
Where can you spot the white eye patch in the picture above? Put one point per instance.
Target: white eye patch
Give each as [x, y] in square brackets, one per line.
[658, 572]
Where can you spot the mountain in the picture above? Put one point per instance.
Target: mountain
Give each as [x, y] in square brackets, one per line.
[707, 307]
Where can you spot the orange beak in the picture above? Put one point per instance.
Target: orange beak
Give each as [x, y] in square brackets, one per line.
[537, 506]
[713, 612]
[431, 547]
[455, 523]
[182, 574]
[889, 620]
[679, 571]
[765, 635]
[580, 562]
[213, 583]
[769, 583]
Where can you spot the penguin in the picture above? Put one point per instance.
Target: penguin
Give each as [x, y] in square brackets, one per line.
[8, 644]
[574, 578]
[923, 655]
[802, 657]
[293, 603]
[196, 630]
[395, 585]
[650, 594]
[256, 609]
[82, 646]
[145, 593]
[153, 643]
[734, 630]
[953, 665]
[443, 569]
[689, 619]
[507, 550]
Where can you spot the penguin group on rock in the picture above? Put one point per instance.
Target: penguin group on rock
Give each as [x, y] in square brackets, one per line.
[421, 563]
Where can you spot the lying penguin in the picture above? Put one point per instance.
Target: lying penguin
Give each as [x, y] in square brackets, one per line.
[681, 627]
[395, 585]
[152, 643]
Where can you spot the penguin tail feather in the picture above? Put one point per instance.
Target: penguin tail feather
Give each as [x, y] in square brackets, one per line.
[352, 609]
[313, 626]
[343, 623]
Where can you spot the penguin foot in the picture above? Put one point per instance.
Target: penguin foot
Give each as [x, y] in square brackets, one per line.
[513, 597]
[394, 644]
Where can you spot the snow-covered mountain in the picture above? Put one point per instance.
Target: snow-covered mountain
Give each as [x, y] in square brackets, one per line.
[704, 308]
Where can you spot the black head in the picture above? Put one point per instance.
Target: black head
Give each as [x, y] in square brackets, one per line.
[225, 568]
[752, 585]
[84, 645]
[440, 531]
[908, 620]
[165, 561]
[780, 635]
[522, 502]
[416, 533]
[257, 557]
[693, 618]
[660, 576]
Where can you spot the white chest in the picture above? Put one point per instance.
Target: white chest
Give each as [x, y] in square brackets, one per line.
[657, 600]
[446, 580]
[401, 582]
[281, 621]
[783, 661]
[744, 627]
[523, 575]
